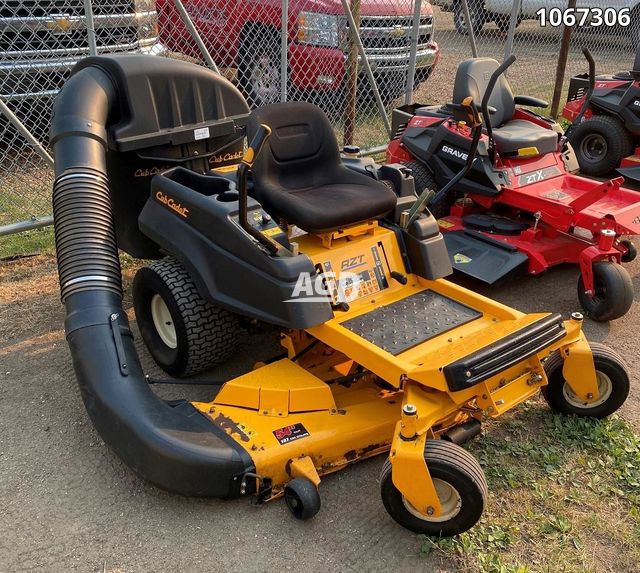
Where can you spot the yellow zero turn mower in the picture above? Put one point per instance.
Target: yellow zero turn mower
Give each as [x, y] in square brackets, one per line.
[381, 354]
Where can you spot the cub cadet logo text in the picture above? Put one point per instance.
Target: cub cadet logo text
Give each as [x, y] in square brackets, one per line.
[455, 152]
[169, 202]
[215, 159]
[326, 287]
[149, 172]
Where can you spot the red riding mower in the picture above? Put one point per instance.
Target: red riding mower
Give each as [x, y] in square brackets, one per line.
[520, 207]
[605, 111]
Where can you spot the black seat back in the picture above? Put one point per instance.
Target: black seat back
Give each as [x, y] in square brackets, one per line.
[635, 72]
[302, 146]
[472, 78]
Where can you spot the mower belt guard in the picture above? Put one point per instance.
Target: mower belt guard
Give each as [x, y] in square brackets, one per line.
[503, 354]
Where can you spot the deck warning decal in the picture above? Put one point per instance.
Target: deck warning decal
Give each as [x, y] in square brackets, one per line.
[290, 433]
[461, 259]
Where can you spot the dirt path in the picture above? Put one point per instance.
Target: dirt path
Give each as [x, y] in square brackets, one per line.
[69, 504]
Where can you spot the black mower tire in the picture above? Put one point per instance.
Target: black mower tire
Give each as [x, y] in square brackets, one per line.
[424, 178]
[613, 292]
[613, 140]
[612, 375]
[477, 13]
[459, 470]
[302, 498]
[259, 43]
[632, 251]
[205, 334]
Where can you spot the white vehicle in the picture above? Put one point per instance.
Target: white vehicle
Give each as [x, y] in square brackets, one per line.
[499, 11]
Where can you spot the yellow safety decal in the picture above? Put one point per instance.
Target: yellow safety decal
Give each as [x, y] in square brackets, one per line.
[271, 232]
[444, 224]
[528, 152]
[461, 259]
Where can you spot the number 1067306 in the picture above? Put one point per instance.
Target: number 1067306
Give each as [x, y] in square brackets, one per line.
[594, 17]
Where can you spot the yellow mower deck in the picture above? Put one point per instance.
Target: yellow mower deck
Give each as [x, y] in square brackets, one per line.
[342, 398]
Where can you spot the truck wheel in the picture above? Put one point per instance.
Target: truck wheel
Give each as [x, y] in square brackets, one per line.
[259, 65]
[423, 179]
[503, 20]
[600, 143]
[613, 385]
[477, 14]
[460, 484]
[613, 295]
[184, 333]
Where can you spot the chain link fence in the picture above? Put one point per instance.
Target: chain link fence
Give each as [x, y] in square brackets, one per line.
[277, 50]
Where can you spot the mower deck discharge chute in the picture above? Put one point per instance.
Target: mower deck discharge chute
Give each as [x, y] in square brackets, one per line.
[381, 354]
[521, 208]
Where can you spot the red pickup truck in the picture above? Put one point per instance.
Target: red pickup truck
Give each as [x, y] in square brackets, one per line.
[246, 35]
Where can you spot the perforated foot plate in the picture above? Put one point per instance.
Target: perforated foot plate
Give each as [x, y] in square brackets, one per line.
[403, 324]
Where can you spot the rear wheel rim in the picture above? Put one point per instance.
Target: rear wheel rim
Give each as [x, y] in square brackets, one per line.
[605, 388]
[594, 147]
[449, 498]
[163, 321]
[265, 80]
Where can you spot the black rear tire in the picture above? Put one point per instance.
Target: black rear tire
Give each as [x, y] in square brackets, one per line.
[425, 179]
[613, 380]
[458, 474]
[613, 292]
[600, 144]
[477, 14]
[196, 334]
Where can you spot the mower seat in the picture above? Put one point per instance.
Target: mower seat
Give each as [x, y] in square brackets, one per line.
[299, 177]
[510, 135]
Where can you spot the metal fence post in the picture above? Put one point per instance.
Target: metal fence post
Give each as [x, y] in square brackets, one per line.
[413, 51]
[195, 35]
[469, 27]
[284, 51]
[355, 35]
[562, 64]
[40, 150]
[91, 29]
[513, 22]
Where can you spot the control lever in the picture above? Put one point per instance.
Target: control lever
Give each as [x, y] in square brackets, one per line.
[428, 196]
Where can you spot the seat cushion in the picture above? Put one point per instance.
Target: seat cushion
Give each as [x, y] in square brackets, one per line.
[330, 206]
[519, 133]
[300, 178]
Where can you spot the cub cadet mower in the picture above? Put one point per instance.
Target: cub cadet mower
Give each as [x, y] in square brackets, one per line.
[520, 208]
[605, 111]
[381, 354]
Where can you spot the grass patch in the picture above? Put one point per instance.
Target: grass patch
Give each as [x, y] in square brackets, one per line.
[564, 497]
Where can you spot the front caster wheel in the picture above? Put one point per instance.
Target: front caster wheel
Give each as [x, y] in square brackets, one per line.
[184, 333]
[613, 292]
[612, 378]
[302, 498]
[632, 251]
[459, 482]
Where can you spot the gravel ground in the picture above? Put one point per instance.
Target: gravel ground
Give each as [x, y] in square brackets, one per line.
[69, 504]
